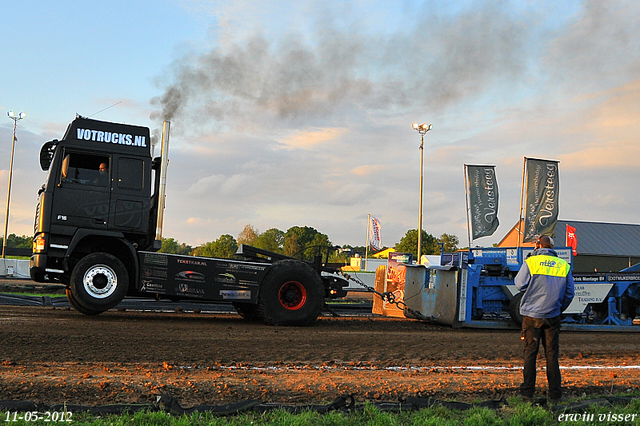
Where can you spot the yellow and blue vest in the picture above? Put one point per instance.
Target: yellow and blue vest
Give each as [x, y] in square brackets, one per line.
[548, 285]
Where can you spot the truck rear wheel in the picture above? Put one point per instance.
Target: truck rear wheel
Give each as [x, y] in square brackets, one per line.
[291, 294]
[247, 311]
[98, 283]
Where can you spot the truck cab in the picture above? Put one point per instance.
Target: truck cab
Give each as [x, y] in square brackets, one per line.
[97, 198]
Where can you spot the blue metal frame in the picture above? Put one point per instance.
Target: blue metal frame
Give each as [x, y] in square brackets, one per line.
[486, 275]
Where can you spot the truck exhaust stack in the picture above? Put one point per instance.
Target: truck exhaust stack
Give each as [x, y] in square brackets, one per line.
[164, 153]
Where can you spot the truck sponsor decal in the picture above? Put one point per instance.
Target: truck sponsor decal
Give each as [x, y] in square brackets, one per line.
[111, 137]
[150, 272]
[156, 259]
[226, 278]
[235, 294]
[191, 262]
[150, 287]
[185, 289]
[190, 276]
[247, 267]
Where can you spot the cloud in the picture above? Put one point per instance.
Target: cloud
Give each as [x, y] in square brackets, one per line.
[615, 154]
[206, 185]
[198, 221]
[311, 138]
[368, 169]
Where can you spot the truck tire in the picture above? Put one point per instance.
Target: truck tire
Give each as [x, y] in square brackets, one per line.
[514, 308]
[98, 283]
[247, 311]
[291, 294]
[78, 307]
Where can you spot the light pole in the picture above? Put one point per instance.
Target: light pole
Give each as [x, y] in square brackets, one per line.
[12, 115]
[422, 129]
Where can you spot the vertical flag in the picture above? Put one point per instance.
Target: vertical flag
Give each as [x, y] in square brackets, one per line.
[572, 239]
[541, 207]
[483, 200]
[375, 239]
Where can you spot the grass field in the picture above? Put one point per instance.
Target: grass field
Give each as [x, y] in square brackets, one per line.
[515, 413]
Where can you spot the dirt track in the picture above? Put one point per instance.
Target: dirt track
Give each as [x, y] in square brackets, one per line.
[58, 355]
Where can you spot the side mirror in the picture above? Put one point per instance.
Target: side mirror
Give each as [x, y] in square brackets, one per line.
[46, 154]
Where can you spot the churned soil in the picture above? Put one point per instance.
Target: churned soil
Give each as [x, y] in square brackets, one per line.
[56, 355]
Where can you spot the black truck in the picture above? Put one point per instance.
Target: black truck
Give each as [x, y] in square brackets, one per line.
[98, 227]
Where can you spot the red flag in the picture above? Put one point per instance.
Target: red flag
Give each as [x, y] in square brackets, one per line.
[572, 240]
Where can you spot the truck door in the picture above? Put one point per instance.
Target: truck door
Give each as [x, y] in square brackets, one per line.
[83, 191]
[130, 194]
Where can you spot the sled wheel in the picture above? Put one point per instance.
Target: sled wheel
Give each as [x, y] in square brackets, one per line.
[247, 311]
[99, 282]
[291, 294]
[514, 308]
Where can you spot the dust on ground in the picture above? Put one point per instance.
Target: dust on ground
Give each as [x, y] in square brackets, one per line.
[56, 355]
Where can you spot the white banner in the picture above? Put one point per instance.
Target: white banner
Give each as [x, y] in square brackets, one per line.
[375, 239]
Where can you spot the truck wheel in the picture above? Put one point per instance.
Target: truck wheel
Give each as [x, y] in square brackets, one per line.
[291, 294]
[98, 282]
[247, 311]
[78, 307]
[514, 308]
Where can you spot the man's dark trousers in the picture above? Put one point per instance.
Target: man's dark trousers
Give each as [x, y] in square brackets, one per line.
[546, 330]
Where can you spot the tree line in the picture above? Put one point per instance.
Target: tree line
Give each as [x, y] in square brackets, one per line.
[15, 241]
[302, 242]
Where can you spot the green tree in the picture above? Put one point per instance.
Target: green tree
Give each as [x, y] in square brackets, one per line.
[169, 245]
[450, 242]
[409, 243]
[248, 236]
[18, 242]
[224, 247]
[304, 242]
[272, 239]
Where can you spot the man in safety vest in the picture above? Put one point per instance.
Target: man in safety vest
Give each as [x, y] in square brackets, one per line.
[548, 285]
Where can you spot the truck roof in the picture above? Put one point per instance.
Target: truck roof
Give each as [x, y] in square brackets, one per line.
[107, 136]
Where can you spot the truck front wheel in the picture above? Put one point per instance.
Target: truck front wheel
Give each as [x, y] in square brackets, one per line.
[78, 307]
[291, 294]
[98, 283]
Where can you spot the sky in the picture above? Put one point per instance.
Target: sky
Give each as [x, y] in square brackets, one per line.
[299, 113]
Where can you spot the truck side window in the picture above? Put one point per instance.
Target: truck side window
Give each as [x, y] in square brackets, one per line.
[130, 173]
[85, 169]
